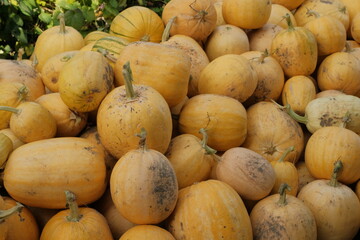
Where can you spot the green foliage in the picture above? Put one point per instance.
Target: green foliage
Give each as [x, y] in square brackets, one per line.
[22, 21]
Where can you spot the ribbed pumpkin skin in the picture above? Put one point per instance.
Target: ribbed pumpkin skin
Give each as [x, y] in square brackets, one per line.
[93, 36]
[209, 210]
[60, 164]
[226, 126]
[196, 19]
[329, 144]
[85, 80]
[150, 197]
[6, 147]
[165, 68]
[119, 119]
[15, 140]
[285, 172]
[137, 23]
[146, 232]
[112, 44]
[246, 14]
[91, 226]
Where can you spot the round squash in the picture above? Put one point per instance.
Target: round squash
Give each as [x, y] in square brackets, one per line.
[6, 147]
[93, 36]
[145, 232]
[289, 4]
[38, 173]
[304, 175]
[260, 39]
[4, 214]
[278, 12]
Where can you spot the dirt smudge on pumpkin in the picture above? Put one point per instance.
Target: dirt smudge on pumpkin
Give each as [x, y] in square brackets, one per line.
[90, 149]
[54, 80]
[271, 228]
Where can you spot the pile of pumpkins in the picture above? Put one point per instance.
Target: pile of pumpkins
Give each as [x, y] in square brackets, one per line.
[219, 119]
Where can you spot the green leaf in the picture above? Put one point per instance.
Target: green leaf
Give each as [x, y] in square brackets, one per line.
[45, 17]
[68, 5]
[26, 8]
[110, 11]
[114, 3]
[74, 18]
[17, 20]
[20, 35]
[88, 14]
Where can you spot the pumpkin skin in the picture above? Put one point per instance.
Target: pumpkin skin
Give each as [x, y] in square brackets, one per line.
[249, 173]
[260, 39]
[85, 80]
[304, 174]
[355, 28]
[6, 147]
[246, 14]
[55, 40]
[328, 93]
[149, 198]
[327, 145]
[289, 4]
[93, 36]
[52, 67]
[282, 217]
[295, 48]
[137, 23]
[6, 213]
[11, 94]
[18, 71]
[76, 223]
[144, 232]
[271, 131]
[230, 75]
[53, 161]
[209, 210]
[68, 123]
[24, 227]
[226, 127]
[196, 19]
[226, 39]
[326, 201]
[165, 68]
[277, 15]
[16, 142]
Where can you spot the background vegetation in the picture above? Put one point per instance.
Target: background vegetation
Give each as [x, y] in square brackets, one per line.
[21, 21]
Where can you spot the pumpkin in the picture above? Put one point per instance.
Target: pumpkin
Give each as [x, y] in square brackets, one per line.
[210, 210]
[304, 175]
[31, 121]
[76, 223]
[226, 127]
[93, 36]
[137, 23]
[329, 144]
[42, 215]
[260, 39]
[20, 72]
[218, 8]
[298, 91]
[85, 80]
[353, 7]
[125, 110]
[55, 40]
[277, 16]
[68, 123]
[249, 173]
[230, 75]
[11, 94]
[339, 110]
[52, 67]
[16, 142]
[5, 214]
[355, 28]
[271, 77]
[198, 59]
[191, 158]
[296, 50]
[226, 39]
[282, 217]
[357, 189]
[335, 206]
[6, 147]
[246, 14]
[289, 4]
[271, 131]
[328, 93]
[23, 226]
[53, 160]
[151, 196]
[165, 68]
[285, 172]
[144, 232]
[196, 19]
[329, 32]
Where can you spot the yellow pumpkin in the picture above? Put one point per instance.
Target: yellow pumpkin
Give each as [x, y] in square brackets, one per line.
[16, 142]
[304, 175]
[6, 147]
[260, 39]
[145, 232]
[289, 4]
[93, 36]
[278, 12]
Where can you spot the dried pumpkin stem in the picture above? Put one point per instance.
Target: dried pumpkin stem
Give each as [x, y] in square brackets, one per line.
[23, 93]
[287, 151]
[127, 73]
[166, 33]
[61, 18]
[264, 55]
[142, 142]
[289, 22]
[9, 212]
[338, 166]
[311, 12]
[10, 109]
[282, 191]
[20, 54]
[294, 115]
[74, 216]
[204, 141]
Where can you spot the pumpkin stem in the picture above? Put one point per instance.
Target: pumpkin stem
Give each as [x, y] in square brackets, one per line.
[23, 93]
[10, 109]
[127, 73]
[166, 33]
[264, 55]
[142, 141]
[74, 216]
[204, 141]
[61, 18]
[348, 47]
[338, 166]
[20, 54]
[313, 13]
[287, 151]
[106, 54]
[8, 212]
[346, 119]
[145, 38]
[294, 115]
[289, 22]
[282, 191]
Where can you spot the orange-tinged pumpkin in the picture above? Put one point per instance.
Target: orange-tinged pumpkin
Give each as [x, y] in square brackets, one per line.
[289, 4]
[6, 147]
[196, 19]
[53, 160]
[304, 175]
[6, 213]
[75, 223]
[355, 28]
[209, 210]
[145, 232]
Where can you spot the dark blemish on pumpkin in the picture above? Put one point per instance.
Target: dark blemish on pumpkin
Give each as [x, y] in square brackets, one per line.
[271, 150]
[326, 1]
[181, 226]
[95, 90]
[224, 226]
[90, 149]
[31, 193]
[272, 228]
[54, 80]
[325, 120]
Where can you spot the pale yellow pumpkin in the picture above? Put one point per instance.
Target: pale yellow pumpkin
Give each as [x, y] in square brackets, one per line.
[277, 16]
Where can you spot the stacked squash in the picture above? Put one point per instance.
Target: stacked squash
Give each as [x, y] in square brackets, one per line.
[219, 119]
